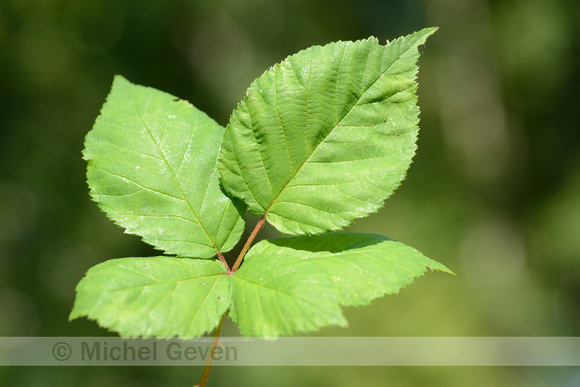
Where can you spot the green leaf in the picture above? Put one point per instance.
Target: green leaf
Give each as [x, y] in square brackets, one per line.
[327, 135]
[152, 167]
[362, 267]
[320, 139]
[275, 295]
[157, 296]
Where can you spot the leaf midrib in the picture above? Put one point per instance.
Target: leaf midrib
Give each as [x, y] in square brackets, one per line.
[335, 126]
[175, 178]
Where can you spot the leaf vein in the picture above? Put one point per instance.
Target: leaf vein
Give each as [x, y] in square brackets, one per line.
[178, 184]
[346, 113]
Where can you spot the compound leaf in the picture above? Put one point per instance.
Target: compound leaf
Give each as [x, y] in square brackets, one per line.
[325, 136]
[157, 296]
[275, 295]
[362, 267]
[152, 167]
[320, 139]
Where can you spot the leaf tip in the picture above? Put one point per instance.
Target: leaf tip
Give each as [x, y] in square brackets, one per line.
[439, 267]
[119, 78]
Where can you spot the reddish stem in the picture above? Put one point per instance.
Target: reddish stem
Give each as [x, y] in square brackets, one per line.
[216, 332]
[212, 348]
[223, 260]
[248, 243]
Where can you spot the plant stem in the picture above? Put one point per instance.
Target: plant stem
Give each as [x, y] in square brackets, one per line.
[248, 243]
[216, 332]
[212, 348]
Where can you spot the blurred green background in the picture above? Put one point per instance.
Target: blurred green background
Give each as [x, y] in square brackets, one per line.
[493, 193]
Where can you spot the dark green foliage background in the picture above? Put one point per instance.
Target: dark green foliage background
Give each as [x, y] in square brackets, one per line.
[493, 193]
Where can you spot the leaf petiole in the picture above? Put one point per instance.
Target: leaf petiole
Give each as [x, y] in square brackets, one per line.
[248, 243]
[223, 260]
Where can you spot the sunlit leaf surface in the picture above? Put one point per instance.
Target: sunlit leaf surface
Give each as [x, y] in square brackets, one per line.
[152, 169]
[157, 296]
[327, 135]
